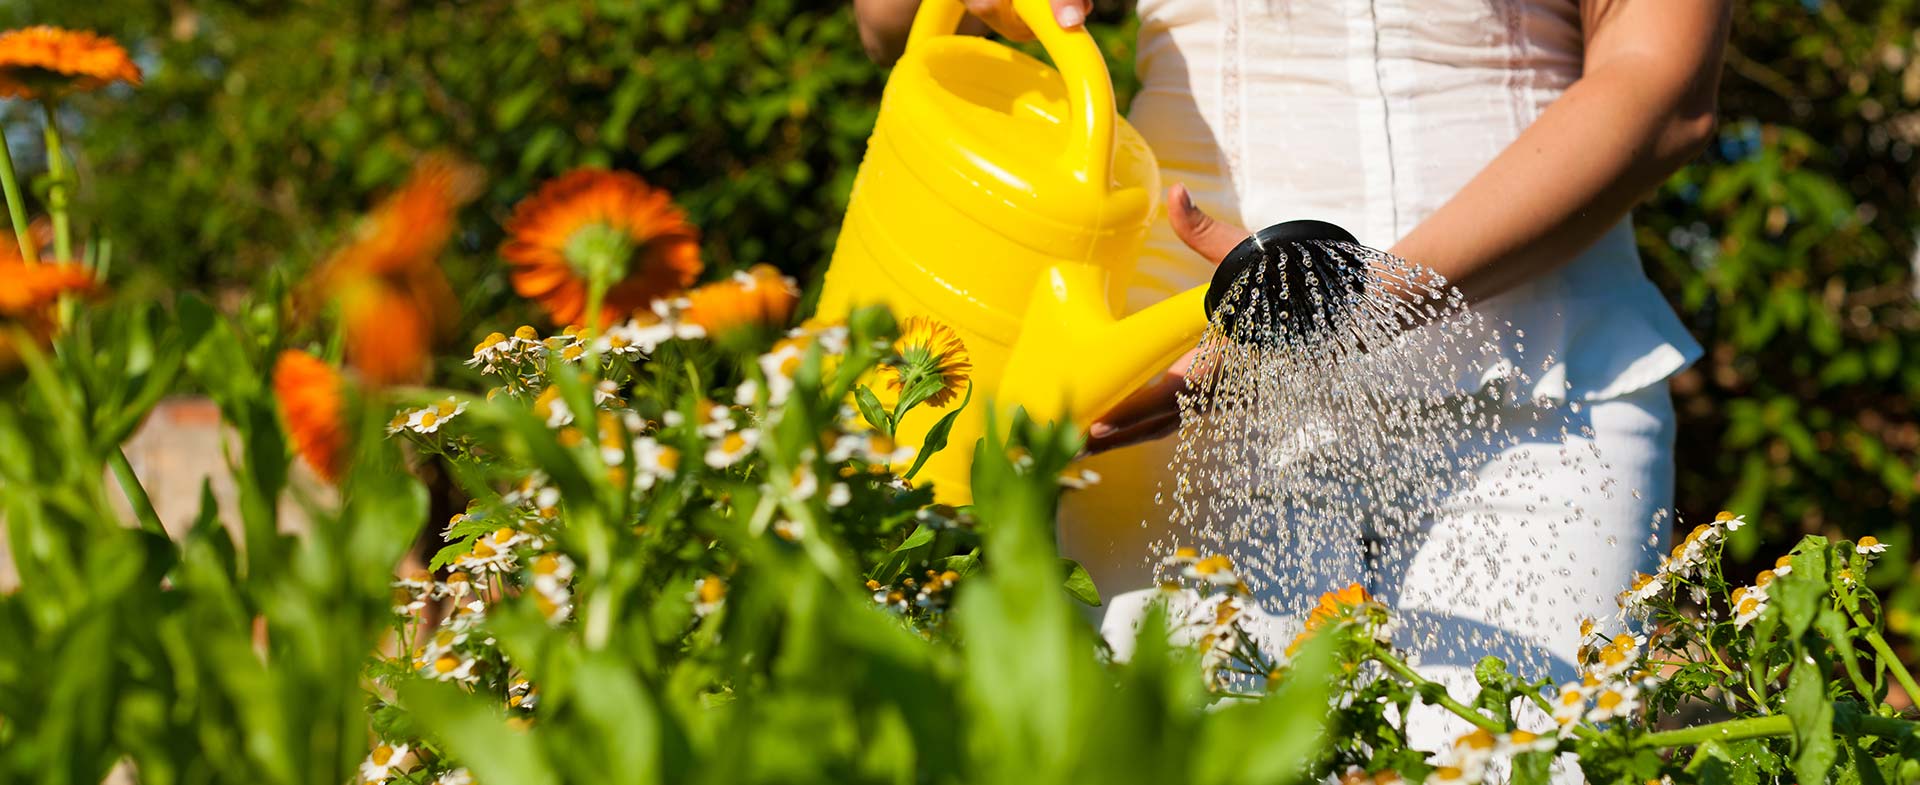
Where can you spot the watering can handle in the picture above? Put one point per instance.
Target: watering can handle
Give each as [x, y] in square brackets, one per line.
[1090, 103]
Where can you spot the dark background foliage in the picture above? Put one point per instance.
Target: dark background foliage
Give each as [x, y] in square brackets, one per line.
[267, 124]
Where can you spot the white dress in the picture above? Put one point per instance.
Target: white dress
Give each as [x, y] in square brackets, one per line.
[1371, 114]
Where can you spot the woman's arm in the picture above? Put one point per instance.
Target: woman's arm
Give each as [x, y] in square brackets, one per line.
[884, 24]
[1643, 107]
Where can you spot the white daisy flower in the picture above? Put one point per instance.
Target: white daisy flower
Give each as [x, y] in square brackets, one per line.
[655, 461]
[458, 776]
[728, 449]
[383, 762]
[839, 495]
[1869, 546]
[789, 530]
[1748, 603]
[1571, 704]
[803, 483]
[1731, 521]
[709, 594]
[1614, 701]
[452, 667]
[1520, 742]
[870, 447]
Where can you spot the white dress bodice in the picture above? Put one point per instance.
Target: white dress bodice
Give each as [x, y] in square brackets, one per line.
[1371, 114]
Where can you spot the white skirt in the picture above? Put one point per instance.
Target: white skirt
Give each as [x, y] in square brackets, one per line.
[1554, 528]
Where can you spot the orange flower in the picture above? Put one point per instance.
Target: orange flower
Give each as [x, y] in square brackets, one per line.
[592, 220]
[1334, 605]
[37, 62]
[760, 297]
[27, 297]
[311, 398]
[393, 299]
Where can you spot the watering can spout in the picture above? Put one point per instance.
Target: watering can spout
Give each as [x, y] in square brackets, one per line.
[1073, 360]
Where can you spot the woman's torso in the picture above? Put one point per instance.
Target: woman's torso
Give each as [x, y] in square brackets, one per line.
[1371, 114]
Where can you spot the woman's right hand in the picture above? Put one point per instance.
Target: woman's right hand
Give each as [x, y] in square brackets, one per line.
[999, 15]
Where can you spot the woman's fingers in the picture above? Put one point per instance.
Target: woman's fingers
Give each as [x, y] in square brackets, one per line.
[1071, 13]
[1147, 413]
[999, 15]
[1208, 237]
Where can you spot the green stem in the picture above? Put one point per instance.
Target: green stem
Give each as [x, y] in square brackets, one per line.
[16, 204]
[57, 192]
[1887, 656]
[1766, 727]
[136, 493]
[1441, 698]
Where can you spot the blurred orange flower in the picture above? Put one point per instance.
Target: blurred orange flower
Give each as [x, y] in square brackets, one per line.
[595, 219]
[1334, 605]
[759, 297]
[393, 299]
[37, 62]
[311, 395]
[28, 293]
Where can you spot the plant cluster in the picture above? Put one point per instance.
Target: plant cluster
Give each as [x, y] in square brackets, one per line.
[694, 552]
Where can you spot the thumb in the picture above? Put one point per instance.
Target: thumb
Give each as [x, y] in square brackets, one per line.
[1208, 237]
[1070, 13]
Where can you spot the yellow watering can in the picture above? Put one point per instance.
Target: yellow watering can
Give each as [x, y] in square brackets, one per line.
[1008, 201]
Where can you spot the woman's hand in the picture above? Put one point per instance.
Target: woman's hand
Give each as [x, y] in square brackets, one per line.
[884, 24]
[999, 15]
[1154, 411]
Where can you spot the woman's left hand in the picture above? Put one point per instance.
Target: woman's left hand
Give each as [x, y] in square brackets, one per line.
[1154, 410]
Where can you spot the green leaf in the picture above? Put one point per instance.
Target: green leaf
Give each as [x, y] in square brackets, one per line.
[478, 736]
[1811, 711]
[921, 390]
[870, 408]
[1079, 583]
[937, 436]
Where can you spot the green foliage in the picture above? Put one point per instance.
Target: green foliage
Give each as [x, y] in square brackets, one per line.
[1788, 248]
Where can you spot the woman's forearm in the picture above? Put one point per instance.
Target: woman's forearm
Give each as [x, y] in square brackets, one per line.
[883, 27]
[1563, 183]
[1638, 115]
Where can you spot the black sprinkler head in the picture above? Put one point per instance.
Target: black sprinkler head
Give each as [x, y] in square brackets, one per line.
[1300, 258]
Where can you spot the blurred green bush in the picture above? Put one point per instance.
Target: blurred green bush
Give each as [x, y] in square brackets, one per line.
[267, 123]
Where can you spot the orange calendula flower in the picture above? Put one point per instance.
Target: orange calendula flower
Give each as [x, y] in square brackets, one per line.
[393, 299]
[758, 297]
[27, 297]
[595, 222]
[311, 398]
[1335, 604]
[929, 350]
[39, 62]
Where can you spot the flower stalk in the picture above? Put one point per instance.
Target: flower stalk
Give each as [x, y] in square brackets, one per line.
[136, 493]
[58, 192]
[16, 204]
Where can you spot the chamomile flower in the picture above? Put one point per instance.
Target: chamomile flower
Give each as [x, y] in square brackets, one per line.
[1614, 701]
[1748, 604]
[789, 530]
[728, 449]
[656, 462]
[431, 418]
[1731, 521]
[1571, 704]
[839, 495]
[1869, 546]
[452, 667]
[870, 447]
[459, 776]
[1645, 589]
[1783, 566]
[1216, 570]
[1078, 479]
[802, 484]
[1520, 742]
[709, 594]
[383, 762]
